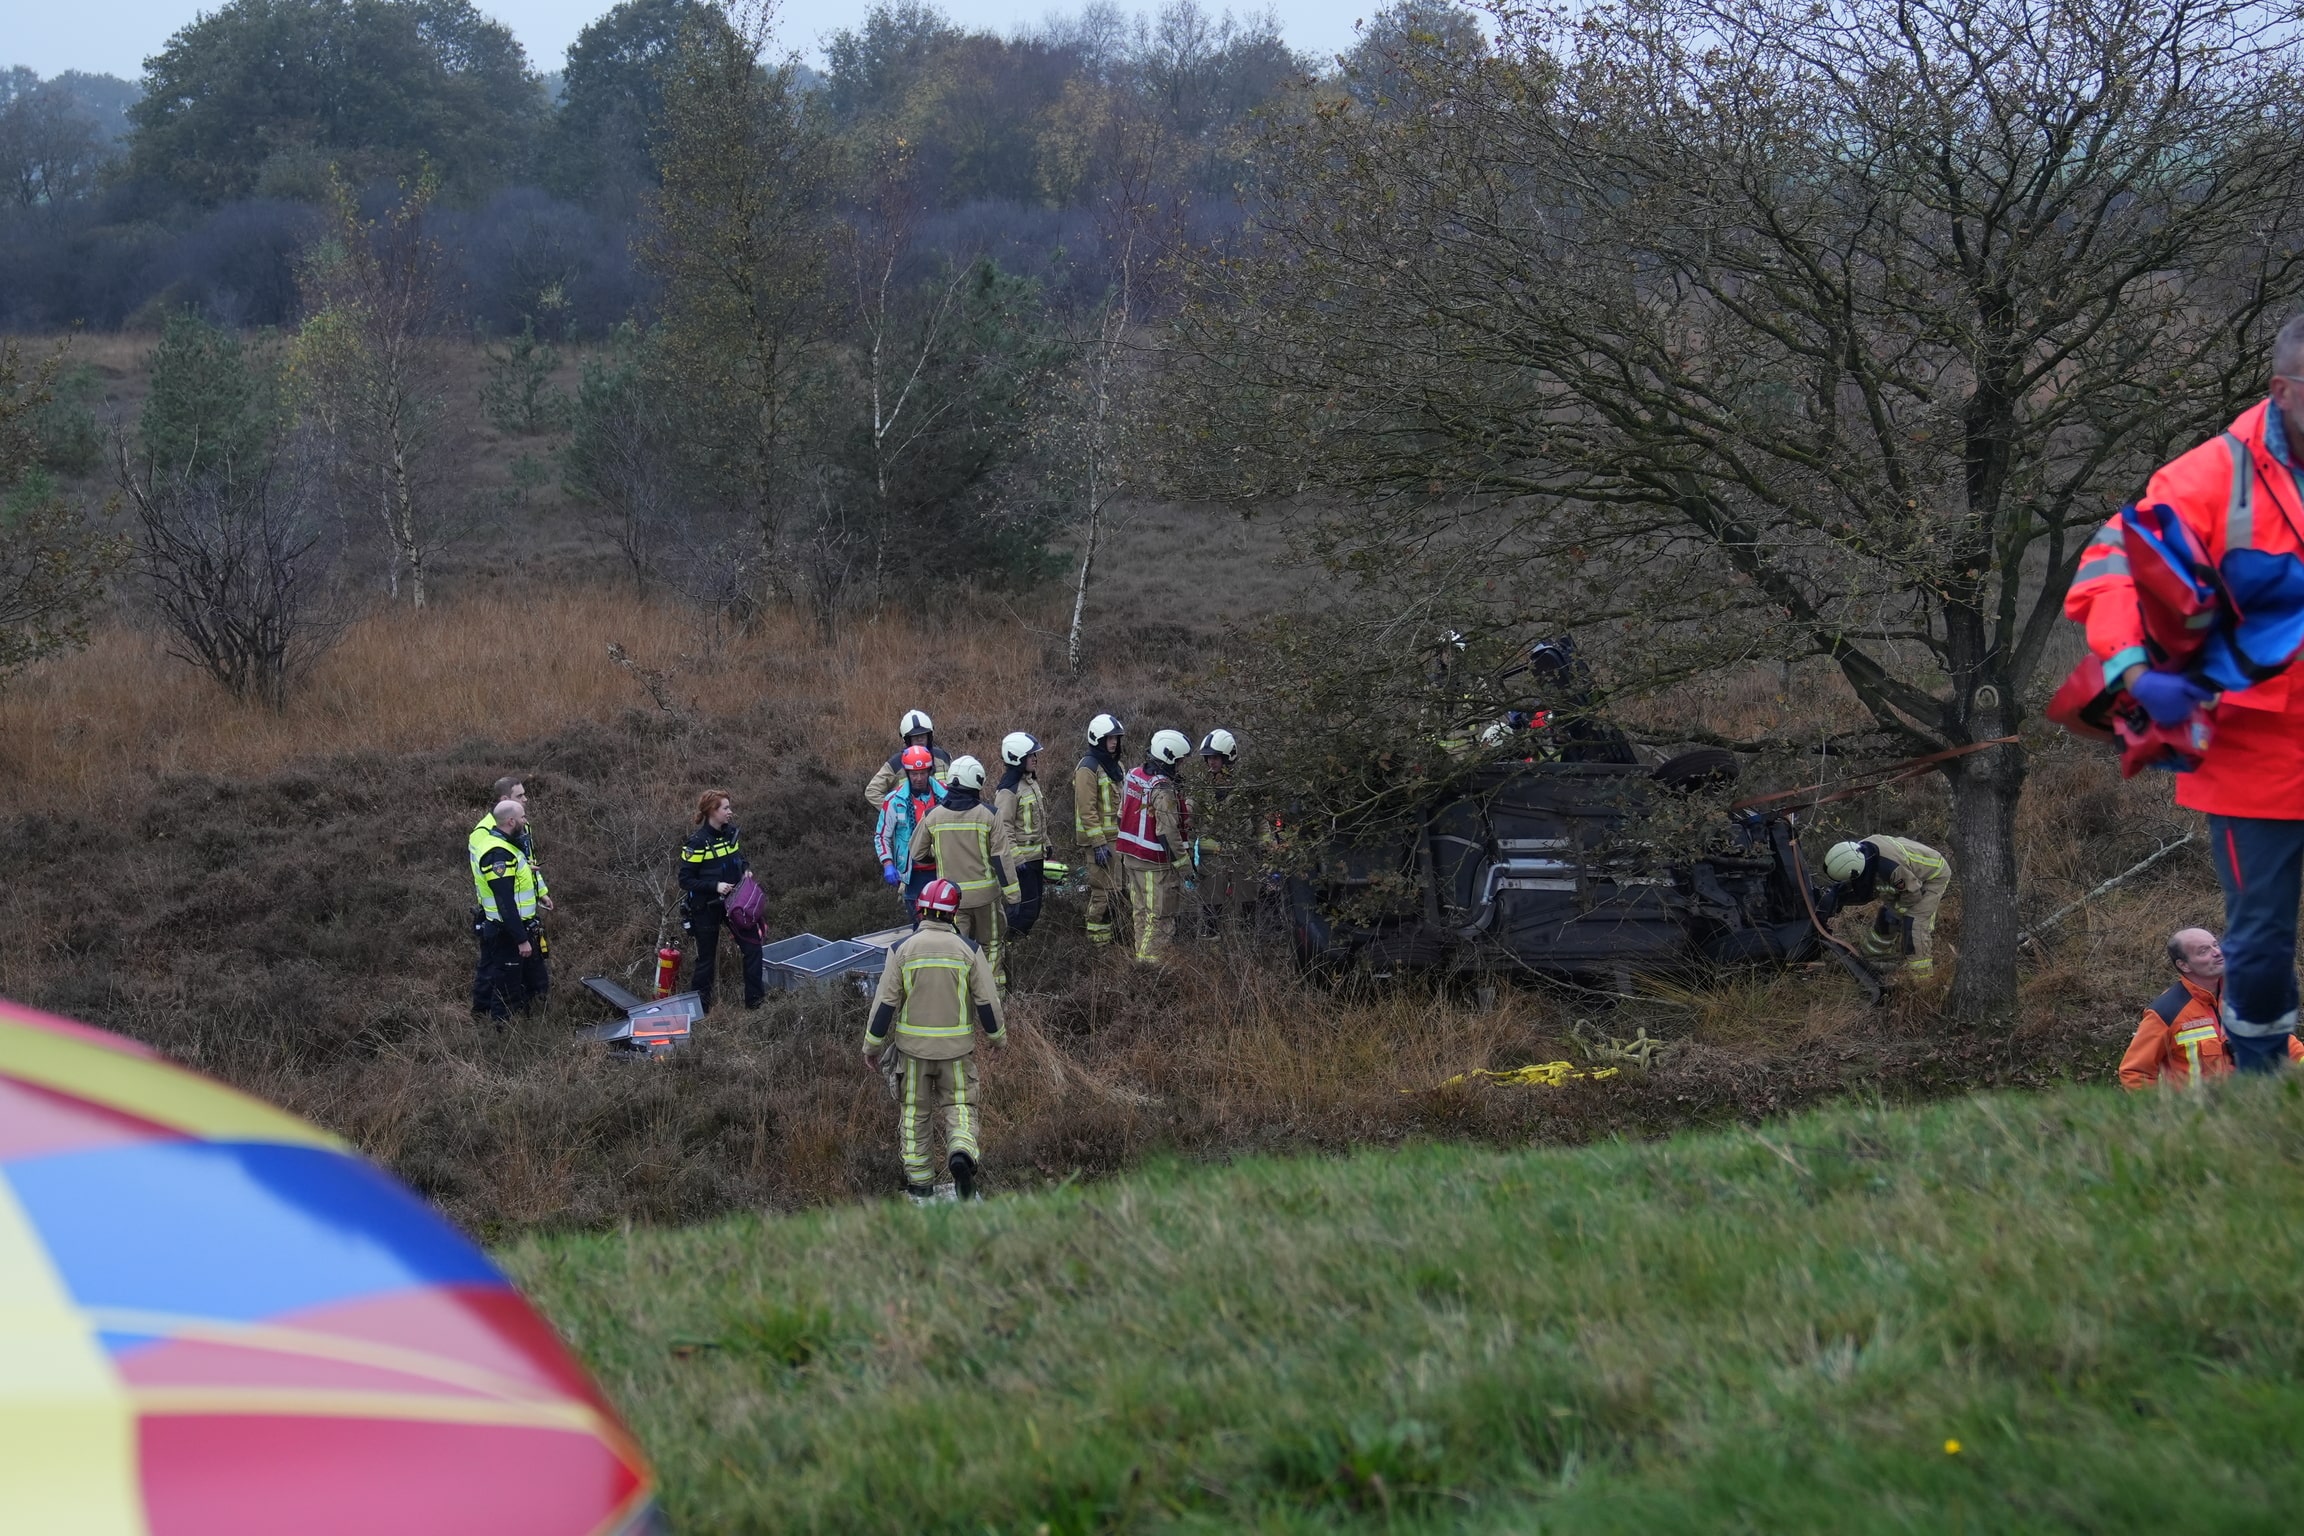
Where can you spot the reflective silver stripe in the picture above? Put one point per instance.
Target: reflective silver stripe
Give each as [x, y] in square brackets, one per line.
[2103, 565]
[2240, 505]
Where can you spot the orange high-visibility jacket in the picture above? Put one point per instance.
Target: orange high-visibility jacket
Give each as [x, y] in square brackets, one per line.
[2230, 492]
[2180, 1040]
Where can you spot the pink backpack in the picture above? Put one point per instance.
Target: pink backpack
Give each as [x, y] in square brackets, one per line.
[747, 907]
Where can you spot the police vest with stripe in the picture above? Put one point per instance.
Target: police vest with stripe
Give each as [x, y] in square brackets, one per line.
[485, 839]
[1140, 828]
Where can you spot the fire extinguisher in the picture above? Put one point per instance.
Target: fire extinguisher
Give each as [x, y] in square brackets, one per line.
[667, 969]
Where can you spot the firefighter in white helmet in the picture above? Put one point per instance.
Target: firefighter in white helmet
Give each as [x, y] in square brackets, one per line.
[1023, 818]
[1155, 841]
[1218, 872]
[918, 731]
[1096, 823]
[1909, 880]
[970, 848]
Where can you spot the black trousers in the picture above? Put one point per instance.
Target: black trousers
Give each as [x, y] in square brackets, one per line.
[705, 926]
[1025, 913]
[500, 984]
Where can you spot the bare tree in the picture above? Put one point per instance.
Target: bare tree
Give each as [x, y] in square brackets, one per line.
[238, 563]
[1789, 330]
[371, 363]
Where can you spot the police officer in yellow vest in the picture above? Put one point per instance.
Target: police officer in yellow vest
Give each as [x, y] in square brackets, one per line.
[935, 992]
[1096, 822]
[1022, 815]
[504, 888]
[533, 970]
[1909, 880]
[1155, 841]
[970, 848]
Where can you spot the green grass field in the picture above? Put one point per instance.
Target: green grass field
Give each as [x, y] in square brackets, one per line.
[2074, 1312]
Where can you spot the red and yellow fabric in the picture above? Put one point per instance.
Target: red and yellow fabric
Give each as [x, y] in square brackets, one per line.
[2179, 1043]
[217, 1320]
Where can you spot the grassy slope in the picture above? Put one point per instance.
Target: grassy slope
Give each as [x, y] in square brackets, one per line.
[2097, 1296]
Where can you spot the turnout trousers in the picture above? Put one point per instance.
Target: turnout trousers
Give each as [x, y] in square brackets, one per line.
[1227, 900]
[983, 925]
[1155, 891]
[706, 926]
[1107, 896]
[2258, 862]
[934, 1091]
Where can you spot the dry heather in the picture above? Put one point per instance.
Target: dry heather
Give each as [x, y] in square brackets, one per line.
[281, 899]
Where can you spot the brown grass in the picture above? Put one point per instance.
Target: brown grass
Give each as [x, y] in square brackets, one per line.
[403, 681]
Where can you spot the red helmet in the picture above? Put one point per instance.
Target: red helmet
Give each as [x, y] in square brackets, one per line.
[918, 757]
[939, 896]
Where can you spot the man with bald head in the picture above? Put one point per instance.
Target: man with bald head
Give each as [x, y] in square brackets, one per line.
[511, 973]
[2236, 494]
[2180, 1041]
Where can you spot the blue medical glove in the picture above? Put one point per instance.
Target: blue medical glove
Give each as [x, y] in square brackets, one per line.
[2169, 697]
[888, 873]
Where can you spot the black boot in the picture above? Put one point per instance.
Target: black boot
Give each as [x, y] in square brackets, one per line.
[963, 1175]
[920, 1194]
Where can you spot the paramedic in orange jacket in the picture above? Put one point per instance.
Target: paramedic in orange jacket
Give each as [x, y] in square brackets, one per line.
[2179, 1041]
[2237, 490]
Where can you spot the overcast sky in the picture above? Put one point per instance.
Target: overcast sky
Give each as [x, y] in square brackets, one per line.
[113, 36]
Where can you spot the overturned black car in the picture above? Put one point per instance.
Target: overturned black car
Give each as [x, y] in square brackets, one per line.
[1542, 862]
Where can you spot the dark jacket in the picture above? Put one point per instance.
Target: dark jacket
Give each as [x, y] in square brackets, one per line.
[707, 858]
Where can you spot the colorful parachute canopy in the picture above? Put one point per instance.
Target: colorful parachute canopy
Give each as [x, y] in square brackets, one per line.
[216, 1320]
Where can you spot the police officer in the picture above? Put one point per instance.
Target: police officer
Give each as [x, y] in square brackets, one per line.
[1155, 842]
[1909, 880]
[1096, 822]
[969, 847]
[534, 973]
[1017, 803]
[711, 863]
[504, 894]
[935, 993]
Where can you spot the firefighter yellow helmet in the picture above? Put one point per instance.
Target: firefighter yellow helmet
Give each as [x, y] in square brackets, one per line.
[967, 773]
[1845, 861]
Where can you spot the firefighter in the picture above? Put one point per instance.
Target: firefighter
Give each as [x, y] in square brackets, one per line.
[534, 971]
[1217, 872]
[1018, 805]
[902, 861]
[2237, 491]
[711, 863]
[918, 731]
[970, 849]
[1909, 880]
[1155, 842]
[935, 992]
[2179, 1042]
[504, 892]
[1096, 822]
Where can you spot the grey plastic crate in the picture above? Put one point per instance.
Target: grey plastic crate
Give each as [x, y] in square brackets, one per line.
[836, 960]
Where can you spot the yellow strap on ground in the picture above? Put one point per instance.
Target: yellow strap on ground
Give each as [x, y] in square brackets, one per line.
[1545, 1074]
[146, 1087]
[67, 1431]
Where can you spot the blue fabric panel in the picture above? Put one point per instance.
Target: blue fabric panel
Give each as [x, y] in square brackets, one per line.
[237, 1230]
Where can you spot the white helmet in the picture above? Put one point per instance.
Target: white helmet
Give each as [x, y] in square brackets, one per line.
[915, 721]
[1845, 861]
[1103, 726]
[967, 773]
[1220, 743]
[1168, 746]
[1495, 734]
[1017, 746]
